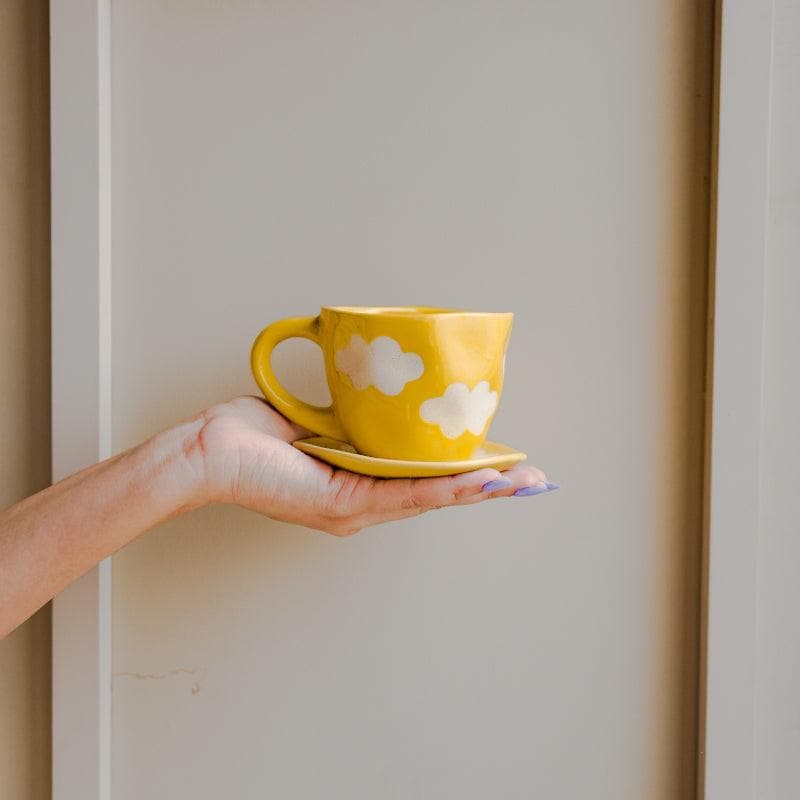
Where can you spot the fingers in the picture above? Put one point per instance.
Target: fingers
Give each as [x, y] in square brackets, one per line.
[372, 501]
[424, 494]
[520, 481]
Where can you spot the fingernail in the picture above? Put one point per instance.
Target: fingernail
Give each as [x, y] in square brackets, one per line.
[529, 491]
[498, 483]
[551, 487]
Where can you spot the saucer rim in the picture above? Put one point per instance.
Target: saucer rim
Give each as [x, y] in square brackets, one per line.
[442, 467]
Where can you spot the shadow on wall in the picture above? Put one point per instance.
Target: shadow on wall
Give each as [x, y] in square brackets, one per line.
[25, 371]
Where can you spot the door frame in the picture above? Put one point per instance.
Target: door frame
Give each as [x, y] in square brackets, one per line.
[80, 120]
[81, 357]
[737, 263]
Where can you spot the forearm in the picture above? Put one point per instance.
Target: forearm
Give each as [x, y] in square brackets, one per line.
[53, 537]
[238, 452]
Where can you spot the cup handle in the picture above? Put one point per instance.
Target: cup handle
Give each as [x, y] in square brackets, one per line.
[316, 418]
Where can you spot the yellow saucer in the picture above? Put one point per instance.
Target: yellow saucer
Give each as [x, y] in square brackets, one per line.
[341, 454]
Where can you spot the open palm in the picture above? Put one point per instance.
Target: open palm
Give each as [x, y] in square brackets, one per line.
[247, 458]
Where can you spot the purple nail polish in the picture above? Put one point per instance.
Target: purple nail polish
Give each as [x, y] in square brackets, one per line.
[529, 491]
[498, 483]
[551, 487]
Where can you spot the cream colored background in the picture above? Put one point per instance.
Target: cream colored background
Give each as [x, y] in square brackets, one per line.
[546, 159]
[24, 372]
[24, 436]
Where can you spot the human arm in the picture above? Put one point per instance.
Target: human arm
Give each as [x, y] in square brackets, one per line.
[237, 452]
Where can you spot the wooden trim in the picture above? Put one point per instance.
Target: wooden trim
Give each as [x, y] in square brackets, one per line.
[738, 269]
[81, 353]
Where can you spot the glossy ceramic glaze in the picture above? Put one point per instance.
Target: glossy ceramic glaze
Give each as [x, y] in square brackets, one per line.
[415, 384]
[341, 454]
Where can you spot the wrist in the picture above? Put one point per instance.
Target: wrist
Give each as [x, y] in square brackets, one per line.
[175, 459]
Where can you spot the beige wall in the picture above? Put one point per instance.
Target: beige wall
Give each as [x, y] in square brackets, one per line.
[272, 157]
[24, 403]
[777, 696]
[24, 372]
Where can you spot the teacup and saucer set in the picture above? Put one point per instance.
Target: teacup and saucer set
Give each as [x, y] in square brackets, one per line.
[413, 390]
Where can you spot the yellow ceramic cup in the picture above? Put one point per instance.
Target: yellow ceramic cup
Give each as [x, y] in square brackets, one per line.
[417, 384]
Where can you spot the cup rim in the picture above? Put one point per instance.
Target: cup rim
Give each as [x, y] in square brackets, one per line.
[412, 312]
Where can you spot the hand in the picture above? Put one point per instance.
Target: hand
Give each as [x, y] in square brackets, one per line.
[246, 457]
[238, 452]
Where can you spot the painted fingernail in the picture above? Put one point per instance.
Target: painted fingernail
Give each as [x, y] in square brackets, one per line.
[551, 487]
[498, 483]
[529, 491]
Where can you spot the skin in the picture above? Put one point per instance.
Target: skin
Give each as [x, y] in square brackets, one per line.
[237, 452]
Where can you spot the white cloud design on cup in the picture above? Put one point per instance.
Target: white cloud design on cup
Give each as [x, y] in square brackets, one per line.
[460, 409]
[381, 363]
